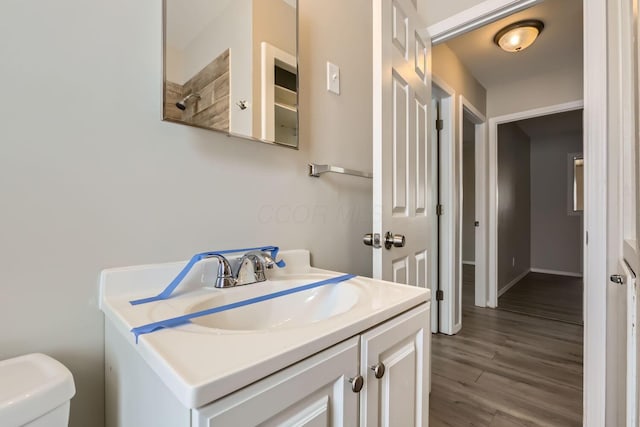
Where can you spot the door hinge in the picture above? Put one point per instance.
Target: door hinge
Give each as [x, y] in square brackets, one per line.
[440, 295]
[439, 210]
[439, 124]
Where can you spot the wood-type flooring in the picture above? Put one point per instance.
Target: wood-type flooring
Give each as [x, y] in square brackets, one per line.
[506, 369]
[546, 295]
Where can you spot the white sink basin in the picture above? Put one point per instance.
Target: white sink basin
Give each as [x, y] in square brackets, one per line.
[293, 310]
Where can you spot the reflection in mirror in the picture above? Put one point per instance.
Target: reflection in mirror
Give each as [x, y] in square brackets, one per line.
[230, 66]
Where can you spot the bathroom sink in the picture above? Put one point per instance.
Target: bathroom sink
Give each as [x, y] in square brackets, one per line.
[215, 355]
[293, 310]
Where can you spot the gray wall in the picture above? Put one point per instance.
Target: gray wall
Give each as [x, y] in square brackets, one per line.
[90, 178]
[514, 208]
[555, 235]
[468, 192]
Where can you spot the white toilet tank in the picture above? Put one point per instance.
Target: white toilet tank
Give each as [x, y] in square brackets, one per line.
[35, 391]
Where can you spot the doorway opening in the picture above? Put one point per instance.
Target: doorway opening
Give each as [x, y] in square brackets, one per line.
[598, 143]
[540, 210]
[495, 336]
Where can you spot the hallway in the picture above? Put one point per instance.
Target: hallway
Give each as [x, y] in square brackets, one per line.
[506, 369]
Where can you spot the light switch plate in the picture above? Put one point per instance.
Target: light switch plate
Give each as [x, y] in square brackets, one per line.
[333, 78]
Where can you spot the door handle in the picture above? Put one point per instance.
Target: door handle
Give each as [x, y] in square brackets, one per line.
[617, 279]
[393, 240]
[476, 224]
[372, 239]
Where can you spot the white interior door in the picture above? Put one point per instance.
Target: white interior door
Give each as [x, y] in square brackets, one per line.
[403, 197]
[623, 187]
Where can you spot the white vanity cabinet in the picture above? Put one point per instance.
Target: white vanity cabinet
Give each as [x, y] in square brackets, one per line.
[348, 353]
[319, 390]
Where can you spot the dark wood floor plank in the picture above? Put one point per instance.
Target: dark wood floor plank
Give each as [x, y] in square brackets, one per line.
[507, 369]
[546, 295]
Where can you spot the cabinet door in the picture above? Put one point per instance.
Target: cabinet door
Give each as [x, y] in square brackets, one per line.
[400, 397]
[315, 392]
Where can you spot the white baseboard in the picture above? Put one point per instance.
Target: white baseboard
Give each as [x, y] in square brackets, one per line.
[513, 282]
[556, 272]
[469, 262]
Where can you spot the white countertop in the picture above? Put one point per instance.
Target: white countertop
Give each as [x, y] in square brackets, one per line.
[201, 364]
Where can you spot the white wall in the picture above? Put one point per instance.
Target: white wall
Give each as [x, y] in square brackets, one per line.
[91, 178]
[542, 90]
[556, 236]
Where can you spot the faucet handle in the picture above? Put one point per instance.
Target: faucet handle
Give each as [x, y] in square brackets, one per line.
[225, 277]
[266, 260]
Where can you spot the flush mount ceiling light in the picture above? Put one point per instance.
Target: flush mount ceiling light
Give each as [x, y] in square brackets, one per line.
[519, 35]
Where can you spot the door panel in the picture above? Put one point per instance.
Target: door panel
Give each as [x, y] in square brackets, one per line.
[400, 396]
[616, 355]
[631, 375]
[395, 408]
[421, 157]
[401, 132]
[403, 202]
[312, 393]
[400, 273]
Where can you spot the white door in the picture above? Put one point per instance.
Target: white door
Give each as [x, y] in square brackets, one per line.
[394, 362]
[624, 223]
[403, 204]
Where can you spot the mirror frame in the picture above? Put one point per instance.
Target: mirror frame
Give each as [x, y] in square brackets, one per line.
[231, 134]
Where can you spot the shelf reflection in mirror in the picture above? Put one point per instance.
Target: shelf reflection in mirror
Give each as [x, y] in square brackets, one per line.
[231, 66]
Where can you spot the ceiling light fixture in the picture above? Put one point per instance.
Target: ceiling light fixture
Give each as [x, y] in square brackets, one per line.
[519, 35]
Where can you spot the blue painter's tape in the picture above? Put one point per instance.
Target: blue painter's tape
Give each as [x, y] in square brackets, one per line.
[182, 320]
[166, 293]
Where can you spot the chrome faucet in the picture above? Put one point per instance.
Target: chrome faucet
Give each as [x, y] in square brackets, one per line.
[250, 268]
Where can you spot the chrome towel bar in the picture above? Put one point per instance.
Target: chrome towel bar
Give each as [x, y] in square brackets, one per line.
[316, 170]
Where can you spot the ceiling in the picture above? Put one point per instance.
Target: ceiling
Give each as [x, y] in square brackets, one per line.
[559, 45]
[553, 124]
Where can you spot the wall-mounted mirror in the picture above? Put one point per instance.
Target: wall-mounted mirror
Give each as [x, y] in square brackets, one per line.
[231, 66]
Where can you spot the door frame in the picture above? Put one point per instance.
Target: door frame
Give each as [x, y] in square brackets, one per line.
[595, 148]
[494, 122]
[481, 261]
[447, 96]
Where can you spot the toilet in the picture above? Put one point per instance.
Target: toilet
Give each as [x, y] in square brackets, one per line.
[35, 391]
